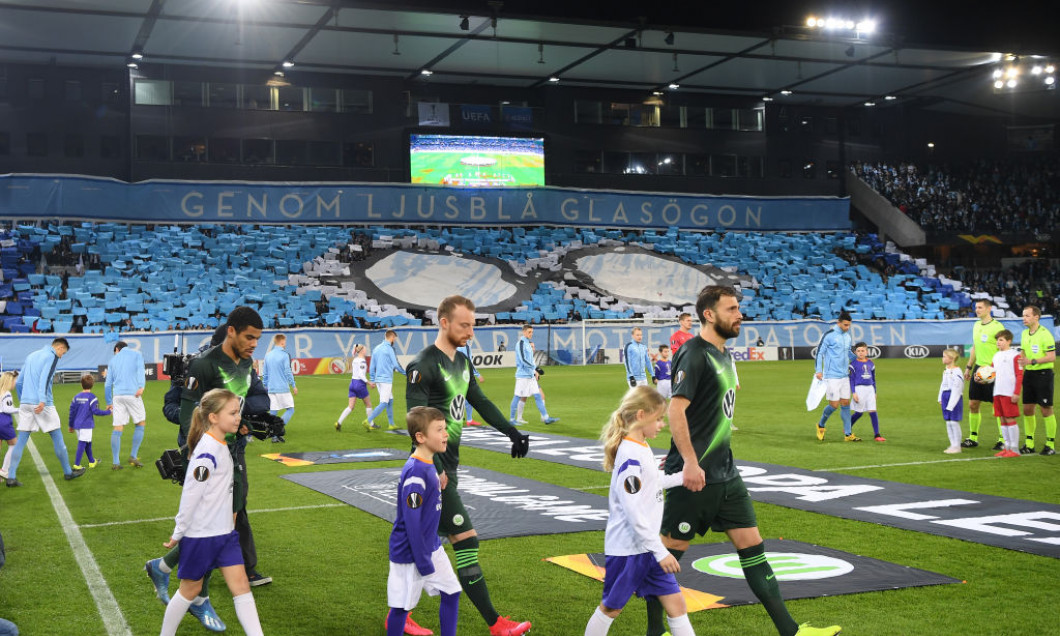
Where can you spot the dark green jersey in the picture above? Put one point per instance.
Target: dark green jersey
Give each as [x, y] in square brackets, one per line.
[707, 378]
[212, 369]
[449, 385]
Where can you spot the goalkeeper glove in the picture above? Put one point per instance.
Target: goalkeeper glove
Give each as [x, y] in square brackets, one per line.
[520, 444]
[632, 381]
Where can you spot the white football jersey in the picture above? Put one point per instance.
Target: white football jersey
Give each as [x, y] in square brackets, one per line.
[636, 502]
[206, 502]
[1005, 364]
[360, 369]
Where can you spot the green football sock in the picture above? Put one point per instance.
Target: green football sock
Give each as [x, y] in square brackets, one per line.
[656, 614]
[763, 583]
[1000, 437]
[1050, 431]
[973, 426]
[471, 579]
[172, 557]
[1030, 423]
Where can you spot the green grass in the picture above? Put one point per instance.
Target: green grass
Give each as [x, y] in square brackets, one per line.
[330, 563]
[515, 169]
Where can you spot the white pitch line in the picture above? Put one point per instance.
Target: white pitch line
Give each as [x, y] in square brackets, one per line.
[593, 487]
[935, 461]
[113, 619]
[157, 519]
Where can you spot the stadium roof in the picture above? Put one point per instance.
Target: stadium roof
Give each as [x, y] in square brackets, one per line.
[502, 47]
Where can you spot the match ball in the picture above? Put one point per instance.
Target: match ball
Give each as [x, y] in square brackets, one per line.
[985, 374]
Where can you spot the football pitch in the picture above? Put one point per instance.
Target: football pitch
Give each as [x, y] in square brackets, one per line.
[329, 560]
[478, 168]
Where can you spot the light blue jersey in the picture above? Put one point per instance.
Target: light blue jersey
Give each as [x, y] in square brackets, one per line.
[638, 361]
[34, 383]
[279, 378]
[385, 364]
[125, 374]
[834, 355]
[524, 358]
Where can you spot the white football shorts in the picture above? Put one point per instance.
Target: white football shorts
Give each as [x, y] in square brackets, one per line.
[281, 401]
[866, 399]
[126, 408]
[526, 387]
[46, 421]
[404, 584]
[665, 389]
[386, 391]
[837, 389]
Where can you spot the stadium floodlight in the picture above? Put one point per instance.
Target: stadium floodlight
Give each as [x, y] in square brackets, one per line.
[865, 26]
[890, 98]
[1012, 83]
[1049, 81]
[674, 86]
[1012, 71]
[426, 72]
[931, 144]
[870, 104]
[998, 73]
[137, 55]
[767, 98]
[1050, 69]
[999, 84]
[811, 21]
[133, 65]
[1036, 70]
[287, 64]
[553, 79]
[785, 92]
[278, 73]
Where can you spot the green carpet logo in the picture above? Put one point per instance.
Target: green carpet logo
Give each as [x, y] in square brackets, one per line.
[788, 566]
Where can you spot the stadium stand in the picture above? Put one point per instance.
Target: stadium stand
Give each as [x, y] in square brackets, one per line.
[983, 196]
[145, 278]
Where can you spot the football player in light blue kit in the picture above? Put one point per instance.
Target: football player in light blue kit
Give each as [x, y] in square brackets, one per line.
[123, 391]
[833, 366]
[382, 369]
[526, 380]
[638, 360]
[279, 381]
[37, 409]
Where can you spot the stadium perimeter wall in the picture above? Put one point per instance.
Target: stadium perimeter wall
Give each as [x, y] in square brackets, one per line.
[323, 350]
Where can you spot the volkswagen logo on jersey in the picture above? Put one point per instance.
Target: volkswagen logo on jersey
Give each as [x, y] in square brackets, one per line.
[728, 403]
[414, 500]
[201, 473]
[458, 520]
[632, 484]
[457, 408]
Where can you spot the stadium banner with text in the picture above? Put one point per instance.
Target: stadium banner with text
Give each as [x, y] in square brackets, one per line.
[81, 198]
[711, 576]
[325, 349]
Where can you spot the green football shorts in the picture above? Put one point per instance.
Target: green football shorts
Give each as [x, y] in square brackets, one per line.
[718, 507]
[454, 516]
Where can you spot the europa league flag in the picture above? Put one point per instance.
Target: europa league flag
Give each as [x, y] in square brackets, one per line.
[434, 114]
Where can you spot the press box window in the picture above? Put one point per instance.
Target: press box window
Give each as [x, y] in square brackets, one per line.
[152, 92]
[356, 101]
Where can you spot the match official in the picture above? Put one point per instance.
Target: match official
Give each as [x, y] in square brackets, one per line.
[123, 392]
[1039, 354]
[984, 346]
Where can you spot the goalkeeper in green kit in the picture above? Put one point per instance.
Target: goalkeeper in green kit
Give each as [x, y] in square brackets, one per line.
[713, 495]
[442, 378]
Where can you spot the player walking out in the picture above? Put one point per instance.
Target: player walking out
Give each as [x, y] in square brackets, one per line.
[123, 391]
[636, 562]
[279, 380]
[984, 346]
[682, 335]
[440, 377]
[662, 372]
[951, 398]
[37, 410]
[1039, 354]
[832, 366]
[417, 559]
[204, 527]
[83, 408]
[637, 359]
[7, 422]
[863, 389]
[712, 494]
[384, 365]
[526, 381]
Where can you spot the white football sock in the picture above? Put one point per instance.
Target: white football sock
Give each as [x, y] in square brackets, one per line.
[175, 611]
[953, 429]
[519, 410]
[346, 411]
[599, 623]
[247, 613]
[680, 625]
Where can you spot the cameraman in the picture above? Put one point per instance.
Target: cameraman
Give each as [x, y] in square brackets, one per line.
[228, 365]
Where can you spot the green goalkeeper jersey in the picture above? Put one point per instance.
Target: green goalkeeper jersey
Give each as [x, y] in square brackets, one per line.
[432, 379]
[984, 340]
[706, 377]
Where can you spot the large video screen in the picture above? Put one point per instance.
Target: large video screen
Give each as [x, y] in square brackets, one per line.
[472, 161]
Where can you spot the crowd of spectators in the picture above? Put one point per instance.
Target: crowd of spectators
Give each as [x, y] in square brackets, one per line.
[1032, 282]
[984, 196]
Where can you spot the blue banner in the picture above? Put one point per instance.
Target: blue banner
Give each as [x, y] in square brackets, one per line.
[100, 199]
[476, 115]
[90, 351]
[517, 117]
